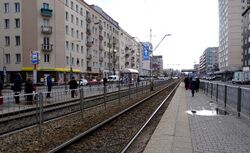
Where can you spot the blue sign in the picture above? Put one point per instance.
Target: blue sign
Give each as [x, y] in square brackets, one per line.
[34, 58]
[145, 52]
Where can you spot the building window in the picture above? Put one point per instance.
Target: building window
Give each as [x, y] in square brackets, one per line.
[18, 58]
[248, 1]
[46, 42]
[7, 40]
[248, 50]
[72, 46]
[6, 8]
[72, 32]
[67, 45]
[81, 23]
[66, 2]
[17, 23]
[7, 23]
[46, 58]
[18, 41]
[72, 61]
[46, 5]
[77, 21]
[81, 11]
[67, 60]
[77, 34]
[7, 58]
[46, 22]
[72, 5]
[248, 62]
[67, 29]
[81, 36]
[72, 18]
[17, 7]
[77, 48]
[82, 62]
[77, 8]
[82, 49]
[67, 16]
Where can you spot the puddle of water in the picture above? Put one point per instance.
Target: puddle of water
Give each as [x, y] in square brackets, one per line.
[213, 112]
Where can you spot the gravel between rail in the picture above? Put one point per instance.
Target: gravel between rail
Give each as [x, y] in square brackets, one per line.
[56, 132]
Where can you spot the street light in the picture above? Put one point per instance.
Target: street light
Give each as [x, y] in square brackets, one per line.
[151, 64]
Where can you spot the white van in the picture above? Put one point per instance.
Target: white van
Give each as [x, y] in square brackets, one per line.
[113, 78]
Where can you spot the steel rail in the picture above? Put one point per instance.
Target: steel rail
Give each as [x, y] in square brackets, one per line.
[81, 135]
[124, 149]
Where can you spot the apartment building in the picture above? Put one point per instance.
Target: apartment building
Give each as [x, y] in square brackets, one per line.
[246, 39]
[209, 61]
[230, 39]
[157, 65]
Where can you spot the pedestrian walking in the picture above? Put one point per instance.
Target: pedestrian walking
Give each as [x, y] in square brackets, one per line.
[1, 88]
[197, 84]
[17, 87]
[192, 85]
[49, 85]
[29, 88]
[105, 81]
[186, 81]
[72, 86]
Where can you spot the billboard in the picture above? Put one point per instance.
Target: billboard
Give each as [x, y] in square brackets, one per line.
[145, 52]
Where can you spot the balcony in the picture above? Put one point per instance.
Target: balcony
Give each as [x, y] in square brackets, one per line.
[88, 19]
[46, 29]
[89, 68]
[127, 55]
[47, 47]
[46, 12]
[126, 63]
[100, 37]
[89, 56]
[89, 44]
[101, 59]
[100, 26]
[88, 31]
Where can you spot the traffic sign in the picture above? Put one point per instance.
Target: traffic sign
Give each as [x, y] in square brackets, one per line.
[34, 57]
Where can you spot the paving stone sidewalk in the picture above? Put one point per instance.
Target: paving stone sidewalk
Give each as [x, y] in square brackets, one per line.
[200, 125]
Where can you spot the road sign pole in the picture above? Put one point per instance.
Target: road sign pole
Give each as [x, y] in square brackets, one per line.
[35, 74]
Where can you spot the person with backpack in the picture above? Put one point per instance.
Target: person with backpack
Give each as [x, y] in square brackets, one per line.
[72, 86]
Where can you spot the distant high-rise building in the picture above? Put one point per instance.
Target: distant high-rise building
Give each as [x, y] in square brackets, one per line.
[230, 51]
[246, 39]
[157, 65]
[209, 61]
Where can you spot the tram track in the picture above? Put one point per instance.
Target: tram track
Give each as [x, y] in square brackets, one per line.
[64, 128]
[118, 132]
[23, 119]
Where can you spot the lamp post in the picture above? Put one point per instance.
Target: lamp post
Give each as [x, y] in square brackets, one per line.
[151, 64]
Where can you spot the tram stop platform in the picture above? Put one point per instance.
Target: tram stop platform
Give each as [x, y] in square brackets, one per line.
[199, 124]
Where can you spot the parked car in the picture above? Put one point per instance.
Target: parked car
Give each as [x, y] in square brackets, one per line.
[82, 82]
[93, 82]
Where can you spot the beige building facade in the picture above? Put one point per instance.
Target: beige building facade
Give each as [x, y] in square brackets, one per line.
[230, 38]
[71, 37]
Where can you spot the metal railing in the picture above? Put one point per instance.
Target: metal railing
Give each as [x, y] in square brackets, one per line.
[235, 97]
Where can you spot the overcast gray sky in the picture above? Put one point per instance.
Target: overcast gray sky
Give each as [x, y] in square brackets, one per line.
[193, 25]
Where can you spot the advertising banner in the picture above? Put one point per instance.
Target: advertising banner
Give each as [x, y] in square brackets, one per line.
[145, 52]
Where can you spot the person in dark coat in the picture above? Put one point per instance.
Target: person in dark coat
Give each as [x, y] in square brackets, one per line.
[72, 86]
[49, 85]
[192, 85]
[105, 81]
[17, 87]
[197, 84]
[29, 87]
[186, 81]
